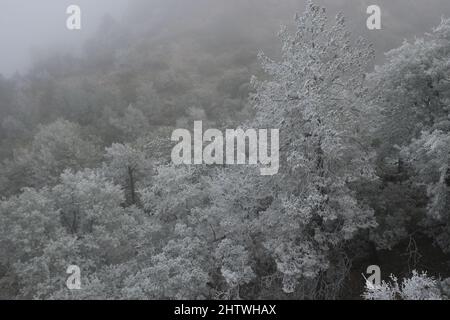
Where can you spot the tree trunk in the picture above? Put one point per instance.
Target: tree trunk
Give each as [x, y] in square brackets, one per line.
[132, 185]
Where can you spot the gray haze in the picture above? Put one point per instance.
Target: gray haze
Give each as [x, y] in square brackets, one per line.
[88, 183]
[30, 29]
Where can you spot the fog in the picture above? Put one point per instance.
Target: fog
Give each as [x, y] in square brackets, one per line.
[88, 153]
[28, 28]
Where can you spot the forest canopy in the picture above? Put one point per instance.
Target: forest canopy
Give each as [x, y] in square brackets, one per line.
[86, 176]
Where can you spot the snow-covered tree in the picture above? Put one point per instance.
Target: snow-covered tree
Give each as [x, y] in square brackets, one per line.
[132, 124]
[80, 221]
[430, 157]
[412, 89]
[316, 96]
[179, 271]
[174, 190]
[126, 165]
[418, 287]
[59, 146]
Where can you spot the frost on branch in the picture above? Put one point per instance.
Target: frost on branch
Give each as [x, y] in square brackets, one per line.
[419, 287]
[317, 96]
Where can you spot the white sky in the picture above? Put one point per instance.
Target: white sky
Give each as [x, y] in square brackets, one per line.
[26, 25]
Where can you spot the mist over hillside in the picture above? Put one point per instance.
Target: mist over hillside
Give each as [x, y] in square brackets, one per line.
[360, 147]
[37, 29]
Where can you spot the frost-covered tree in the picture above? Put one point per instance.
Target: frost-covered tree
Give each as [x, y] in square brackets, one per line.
[59, 146]
[412, 89]
[80, 221]
[28, 225]
[16, 173]
[179, 263]
[430, 157]
[413, 92]
[126, 165]
[174, 190]
[205, 221]
[132, 124]
[227, 221]
[179, 271]
[56, 147]
[316, 96]
[418, 287]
